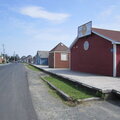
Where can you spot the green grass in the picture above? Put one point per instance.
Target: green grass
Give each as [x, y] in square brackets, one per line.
[32, 68]
[67, 87]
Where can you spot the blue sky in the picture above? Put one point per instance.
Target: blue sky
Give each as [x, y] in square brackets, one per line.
[30, 25]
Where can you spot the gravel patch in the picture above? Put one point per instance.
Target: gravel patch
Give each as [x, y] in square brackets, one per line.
[49, 107]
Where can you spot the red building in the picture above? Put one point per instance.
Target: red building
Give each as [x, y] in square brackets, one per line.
[1, 60]
[59, 56]
[96, 51]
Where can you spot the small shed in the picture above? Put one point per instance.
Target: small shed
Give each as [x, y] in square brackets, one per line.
[59, 56]
[42, 57]
[96, 51]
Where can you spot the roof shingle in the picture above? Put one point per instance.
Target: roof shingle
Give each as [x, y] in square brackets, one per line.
[43, 54]
[111, 34]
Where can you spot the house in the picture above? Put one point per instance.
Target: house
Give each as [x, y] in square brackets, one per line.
[23, 59]
[59, 57]
[41, 58]
[34, 60]
[1, 60]
[29, 59]
[96, 51]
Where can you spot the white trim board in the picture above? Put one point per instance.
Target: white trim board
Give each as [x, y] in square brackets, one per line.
[114, 60]
[107, 38]
[54, 60]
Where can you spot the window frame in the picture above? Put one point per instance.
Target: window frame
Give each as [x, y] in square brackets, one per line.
[64, 56]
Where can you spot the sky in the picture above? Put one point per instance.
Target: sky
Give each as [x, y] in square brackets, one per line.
[27, 26]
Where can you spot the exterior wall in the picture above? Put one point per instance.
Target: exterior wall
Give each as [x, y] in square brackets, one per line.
[118, 60]
[41, 61]
[44, 61]
[38, 60]
[59, 63]
[34, 60]
[1, 60]
[98, 59]
[51, 60]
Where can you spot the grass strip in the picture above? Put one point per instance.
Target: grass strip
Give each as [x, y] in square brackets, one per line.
[32, 67]
[67, 87]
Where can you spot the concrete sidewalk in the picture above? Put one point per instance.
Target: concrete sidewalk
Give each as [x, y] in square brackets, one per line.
[104, 83]
[5, 64]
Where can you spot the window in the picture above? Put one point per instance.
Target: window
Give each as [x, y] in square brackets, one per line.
[86, 45]
[64, 56]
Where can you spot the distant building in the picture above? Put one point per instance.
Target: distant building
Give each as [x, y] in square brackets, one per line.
[59, 57]
[4, 56]
[23, 59]
[41, 58]
[34, 60]
[29, 59]
[96, 51]
[1, 60]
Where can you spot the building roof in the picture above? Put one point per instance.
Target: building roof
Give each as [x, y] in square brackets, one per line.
[43, 54]
[29, 57]
[110, 35]
[60, 47]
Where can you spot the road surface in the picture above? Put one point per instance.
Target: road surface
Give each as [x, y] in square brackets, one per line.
[15, 98]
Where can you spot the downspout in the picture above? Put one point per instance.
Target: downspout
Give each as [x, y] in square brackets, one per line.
[54, 59]
[114, 60]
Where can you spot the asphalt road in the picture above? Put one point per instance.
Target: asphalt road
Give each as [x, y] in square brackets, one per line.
[15, 98]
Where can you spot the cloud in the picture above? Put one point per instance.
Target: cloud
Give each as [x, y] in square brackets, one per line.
[108, 18]
[48, 34]
[39, 12]
[107, 12]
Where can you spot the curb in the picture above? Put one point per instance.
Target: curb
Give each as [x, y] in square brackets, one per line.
[117, 93]
[69, 79]
[88, 99]
[72, 80]
[67, 97]
[105, 94]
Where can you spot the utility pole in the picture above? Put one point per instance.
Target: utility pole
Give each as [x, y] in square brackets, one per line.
[14, 56]
[4, 58]
[3, 49]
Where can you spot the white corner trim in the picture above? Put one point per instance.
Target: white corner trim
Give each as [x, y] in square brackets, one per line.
[107, 38]
[114, 60]
[54, 59]
[69, 60]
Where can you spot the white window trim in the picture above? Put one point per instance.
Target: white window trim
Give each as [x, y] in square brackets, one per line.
[66, 56]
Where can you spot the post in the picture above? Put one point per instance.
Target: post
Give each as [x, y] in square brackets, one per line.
[114, 60]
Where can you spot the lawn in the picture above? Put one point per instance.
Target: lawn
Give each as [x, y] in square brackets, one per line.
[69, 88]
[32, 68]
